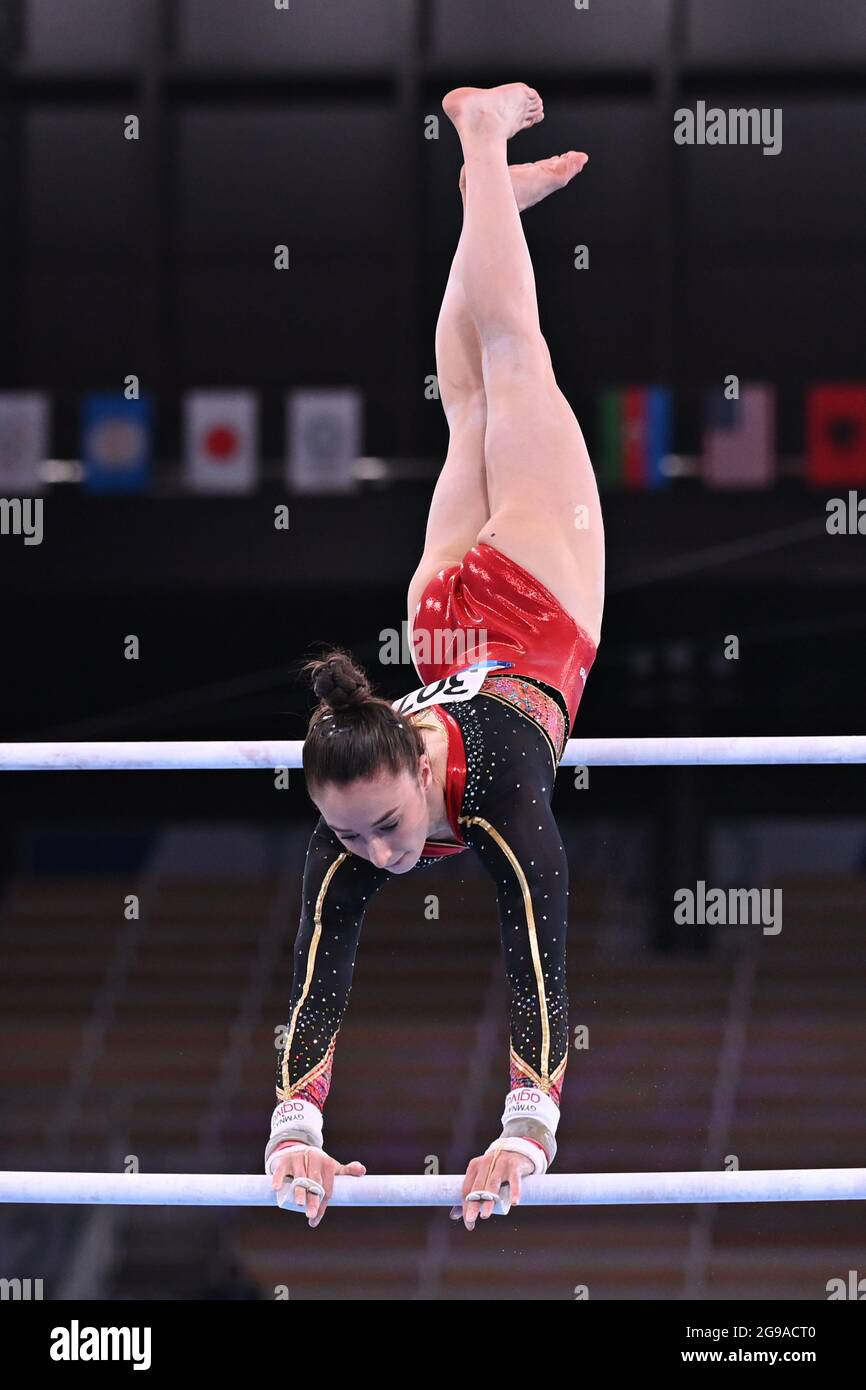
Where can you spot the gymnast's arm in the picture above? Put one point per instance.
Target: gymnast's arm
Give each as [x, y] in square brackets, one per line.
[518, 841]
[337, 887]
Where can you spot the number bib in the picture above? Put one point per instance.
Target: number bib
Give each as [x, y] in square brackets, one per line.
[461, 685]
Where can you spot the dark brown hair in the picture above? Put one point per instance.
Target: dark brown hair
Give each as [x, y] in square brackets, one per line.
[353, 733]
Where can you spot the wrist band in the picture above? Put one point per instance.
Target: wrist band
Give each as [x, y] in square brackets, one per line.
[295, 1119]
[532, 1129]
[294, 1114]
[529, 1103]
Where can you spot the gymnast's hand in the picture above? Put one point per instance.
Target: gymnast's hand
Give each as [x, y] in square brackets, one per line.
[313, 1165]
[488, 1173]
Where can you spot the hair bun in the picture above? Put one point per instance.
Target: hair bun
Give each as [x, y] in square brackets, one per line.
[339, 684]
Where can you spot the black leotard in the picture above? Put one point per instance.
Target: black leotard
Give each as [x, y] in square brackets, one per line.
[506, 818]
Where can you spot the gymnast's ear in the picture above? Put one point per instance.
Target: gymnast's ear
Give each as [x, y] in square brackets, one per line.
[425, 769]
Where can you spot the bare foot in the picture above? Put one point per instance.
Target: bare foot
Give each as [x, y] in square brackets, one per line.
[532, 182]
[496, 111]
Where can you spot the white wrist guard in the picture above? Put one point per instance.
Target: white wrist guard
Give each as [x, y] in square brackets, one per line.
[295, 1119]
[528, 1103]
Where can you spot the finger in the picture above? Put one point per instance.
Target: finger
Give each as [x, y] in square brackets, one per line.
[490, 1184]
[294, 1189]
[498, 1182]
[313, 1199]
[353, 1169]
[470, 1215]
[317, 1219]
[503, 1185]
[472, 1206]
[281, 1173]
[309, 1169]
[470, 1182]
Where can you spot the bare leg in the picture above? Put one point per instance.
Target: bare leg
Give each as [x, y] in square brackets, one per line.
[545, 511]
[460, 507]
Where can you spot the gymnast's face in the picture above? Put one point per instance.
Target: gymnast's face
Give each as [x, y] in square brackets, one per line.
[384, 819]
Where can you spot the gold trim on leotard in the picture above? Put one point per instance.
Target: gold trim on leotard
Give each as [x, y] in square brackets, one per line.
[288, 1088]
[525, 1069]
[545, 1080]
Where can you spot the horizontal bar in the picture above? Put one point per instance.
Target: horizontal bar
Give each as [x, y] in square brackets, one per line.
[553, 1189]
[216, 755]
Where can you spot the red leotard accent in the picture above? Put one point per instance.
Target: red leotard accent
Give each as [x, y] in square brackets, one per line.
[455, 785]
[525, 624]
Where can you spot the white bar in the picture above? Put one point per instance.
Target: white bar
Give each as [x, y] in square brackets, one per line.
[553, 1189]
[141, 756]
[280, 753]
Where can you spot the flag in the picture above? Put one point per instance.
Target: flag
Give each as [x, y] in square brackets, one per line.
[324, 437]
[25, 426]
[607, 457]
[836, 433]
[660, 434]
[116, 442]
[739, 438]
[636, 436]
[221, 433]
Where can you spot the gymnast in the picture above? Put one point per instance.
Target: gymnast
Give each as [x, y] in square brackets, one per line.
[514, 560]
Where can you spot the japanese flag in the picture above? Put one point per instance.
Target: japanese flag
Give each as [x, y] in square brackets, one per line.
[221, 432]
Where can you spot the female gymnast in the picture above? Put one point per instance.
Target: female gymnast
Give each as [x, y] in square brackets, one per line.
[513, 563]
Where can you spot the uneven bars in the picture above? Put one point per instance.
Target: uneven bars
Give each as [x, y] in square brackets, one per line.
[217, 755]
[553, 1189]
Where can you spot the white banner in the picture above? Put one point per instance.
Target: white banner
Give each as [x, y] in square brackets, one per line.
[25, 426]
[324, 437]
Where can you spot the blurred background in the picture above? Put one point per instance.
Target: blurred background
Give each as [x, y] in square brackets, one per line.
[225, 230]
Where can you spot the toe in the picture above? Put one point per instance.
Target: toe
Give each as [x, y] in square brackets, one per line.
[573, 162]
[558, 166]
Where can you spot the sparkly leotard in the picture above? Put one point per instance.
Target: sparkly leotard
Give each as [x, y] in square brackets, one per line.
[504, 745]
[505, 816]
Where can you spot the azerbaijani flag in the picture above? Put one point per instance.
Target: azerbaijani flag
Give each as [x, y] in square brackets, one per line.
[635, 436]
